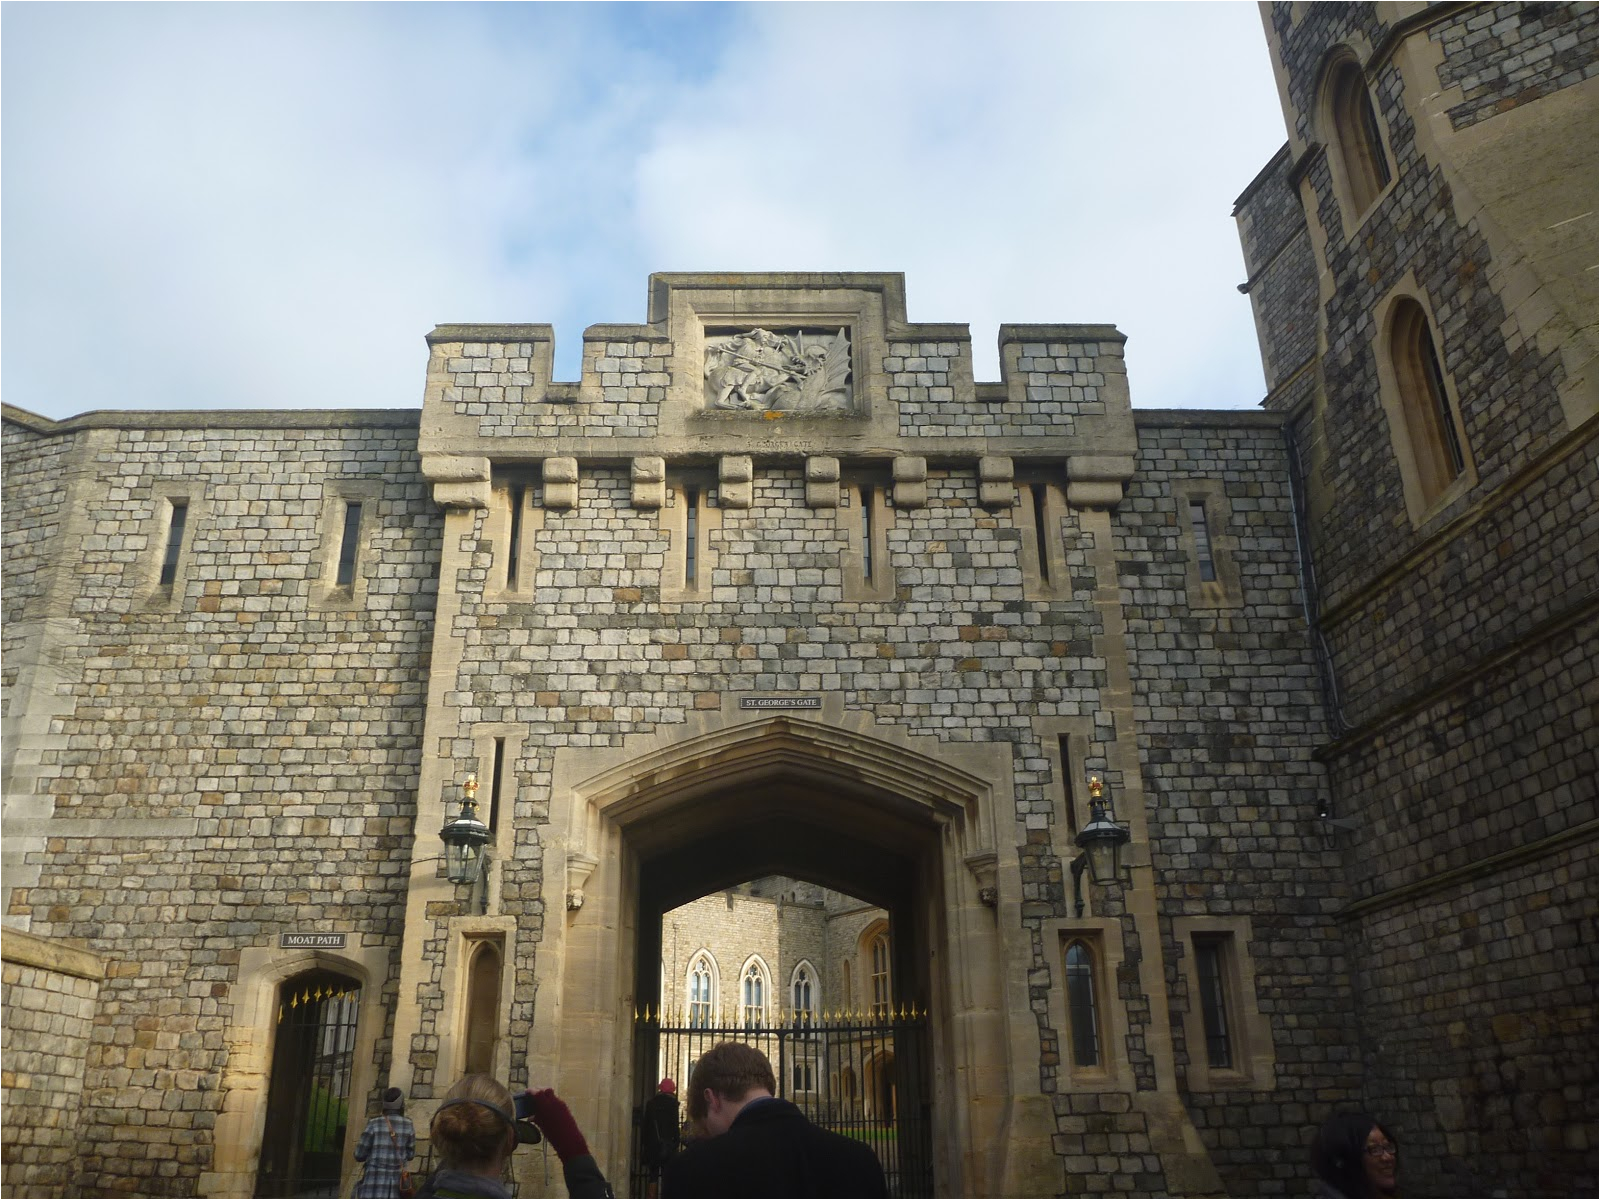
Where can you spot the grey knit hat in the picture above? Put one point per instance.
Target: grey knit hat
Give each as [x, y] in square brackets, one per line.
[394, 1100]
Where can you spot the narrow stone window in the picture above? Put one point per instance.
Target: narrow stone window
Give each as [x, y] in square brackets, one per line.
[1202, 541]
[1083, 1015]
[1041, 537]
[1210, 964]
[804, 1075]
[866, 533]
[496, 773]
[1436, 447]
[177, 518]
[514, 539]
[1041, 553]
[349, 544]
[1067, 795]
[483, 1007]
[1357, 137]
[691, 538]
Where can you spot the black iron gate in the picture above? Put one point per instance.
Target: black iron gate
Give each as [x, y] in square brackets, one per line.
[865, 1076]
[308, 1101]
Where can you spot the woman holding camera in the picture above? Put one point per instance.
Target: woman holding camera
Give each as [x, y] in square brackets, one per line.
[474, 1133]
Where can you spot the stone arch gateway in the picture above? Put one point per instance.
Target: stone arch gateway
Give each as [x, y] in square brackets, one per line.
[832, 798]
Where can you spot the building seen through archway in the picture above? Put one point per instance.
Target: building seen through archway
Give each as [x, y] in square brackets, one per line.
[805, 974]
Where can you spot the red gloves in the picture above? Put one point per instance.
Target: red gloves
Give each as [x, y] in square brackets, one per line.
[554, 1119]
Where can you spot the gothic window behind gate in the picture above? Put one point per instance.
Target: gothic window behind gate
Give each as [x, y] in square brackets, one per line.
[753, 997]
[700, 993]
[801, 992]
[880, 976]
[308, 1097]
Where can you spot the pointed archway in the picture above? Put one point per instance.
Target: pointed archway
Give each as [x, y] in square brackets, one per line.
[906, 823]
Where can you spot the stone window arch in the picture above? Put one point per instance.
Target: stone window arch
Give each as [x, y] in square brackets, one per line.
[803, 990]
[876, 951]
[702, 988]
[484, 965]
[1355, 137]
[1420, 402]
[755, 987]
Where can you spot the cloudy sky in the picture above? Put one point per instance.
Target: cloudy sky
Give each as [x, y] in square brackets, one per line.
[269, 205]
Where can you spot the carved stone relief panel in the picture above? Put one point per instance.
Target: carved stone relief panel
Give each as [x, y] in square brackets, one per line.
[795, 370]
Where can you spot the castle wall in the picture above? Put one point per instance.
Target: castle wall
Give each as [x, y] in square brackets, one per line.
[1229, 711]
[49, 996]
[234, 760]
[1459, 634]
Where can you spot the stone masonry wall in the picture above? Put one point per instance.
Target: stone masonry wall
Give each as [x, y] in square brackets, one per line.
[1463, 651]
[494, 382]
[959, 653]
[1281, 271]
[32, 492]
[1062, 385]
[49, 998]
[238, 761]
[1447, 608]
[1506, 387]
[1229, 713]
[1503, 55]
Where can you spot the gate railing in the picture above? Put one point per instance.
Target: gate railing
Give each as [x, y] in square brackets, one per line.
[863, 1075]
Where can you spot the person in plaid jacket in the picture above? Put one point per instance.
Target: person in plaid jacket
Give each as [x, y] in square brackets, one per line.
[386, 1146]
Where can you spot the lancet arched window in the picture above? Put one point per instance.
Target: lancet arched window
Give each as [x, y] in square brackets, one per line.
[1430, 420]
[881, 990]
[753, 994]
[702, 990]
[1083, 1016]
[802, 992]
[483, 1007]
[1355, 136]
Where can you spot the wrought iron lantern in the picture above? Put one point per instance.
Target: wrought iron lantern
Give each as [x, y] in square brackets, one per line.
[464, 837]
[1101, 841]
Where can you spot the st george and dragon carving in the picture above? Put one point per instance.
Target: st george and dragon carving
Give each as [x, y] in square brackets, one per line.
[800, 371]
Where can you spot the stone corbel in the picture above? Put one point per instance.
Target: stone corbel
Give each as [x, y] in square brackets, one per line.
[983, 866]
[459, 481]
[649, 477]
[910, 482]
[822, 483]
[995, 486]
[1097, 481]
[561, 483]
[735, 481]
[579, 868]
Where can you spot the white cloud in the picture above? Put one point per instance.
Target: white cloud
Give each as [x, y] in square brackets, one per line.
[268, 206]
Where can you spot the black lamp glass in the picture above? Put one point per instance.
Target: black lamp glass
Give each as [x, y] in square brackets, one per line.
[464, 837]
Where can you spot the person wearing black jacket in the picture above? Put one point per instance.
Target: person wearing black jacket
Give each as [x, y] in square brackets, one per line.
[758, 1145]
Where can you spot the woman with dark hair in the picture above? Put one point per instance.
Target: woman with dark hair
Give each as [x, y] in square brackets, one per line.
[386, 1146]
[1352, 1155]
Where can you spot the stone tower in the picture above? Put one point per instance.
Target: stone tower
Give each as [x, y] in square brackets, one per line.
[1421, 258]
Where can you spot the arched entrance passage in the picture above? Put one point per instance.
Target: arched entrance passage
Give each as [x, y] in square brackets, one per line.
[905, 823]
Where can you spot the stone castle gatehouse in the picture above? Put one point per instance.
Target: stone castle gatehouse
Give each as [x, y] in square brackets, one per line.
[778, 588]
